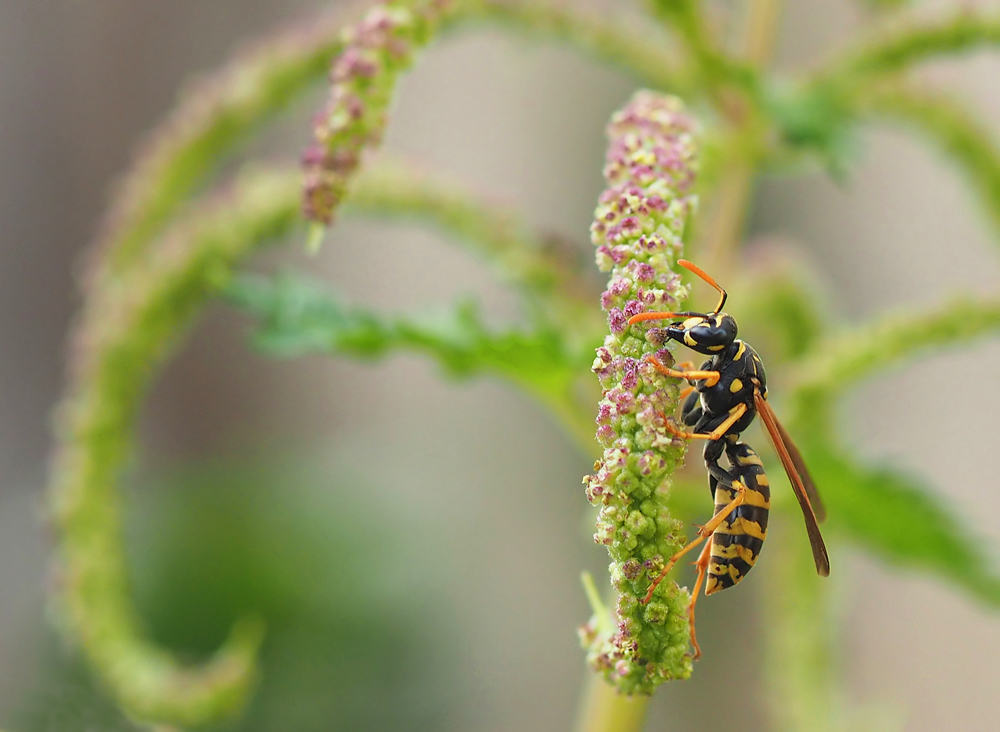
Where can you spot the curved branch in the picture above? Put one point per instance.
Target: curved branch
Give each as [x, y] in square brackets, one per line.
[127, 331]
[124, 334]
[962, 32]
[539, 266]
[949, 126]
[228, 107]
[895, 339]
[210, 121]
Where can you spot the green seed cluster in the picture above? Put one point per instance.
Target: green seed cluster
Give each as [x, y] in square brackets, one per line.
[638, 225]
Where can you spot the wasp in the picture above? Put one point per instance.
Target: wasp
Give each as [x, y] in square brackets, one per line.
[722, 399]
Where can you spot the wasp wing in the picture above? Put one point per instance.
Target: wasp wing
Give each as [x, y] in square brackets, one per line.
[800, 466]
[777, 435]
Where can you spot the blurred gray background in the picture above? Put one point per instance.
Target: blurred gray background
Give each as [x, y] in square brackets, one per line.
[479, 488]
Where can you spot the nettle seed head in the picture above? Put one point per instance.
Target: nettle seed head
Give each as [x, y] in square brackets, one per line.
[638, 228]
[362, 79]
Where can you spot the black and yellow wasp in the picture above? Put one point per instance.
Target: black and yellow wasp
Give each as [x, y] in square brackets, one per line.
[723, 398]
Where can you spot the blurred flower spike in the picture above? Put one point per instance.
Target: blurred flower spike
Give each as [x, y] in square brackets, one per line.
[638, 228]
[362, 80]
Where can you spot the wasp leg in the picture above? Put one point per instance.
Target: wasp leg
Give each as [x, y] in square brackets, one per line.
[703, 533]
[702, 565]
[734, 416]
[711, 377]
[686, 392]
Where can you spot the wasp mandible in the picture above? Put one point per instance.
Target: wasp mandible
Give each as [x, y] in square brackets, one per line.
[723, 398]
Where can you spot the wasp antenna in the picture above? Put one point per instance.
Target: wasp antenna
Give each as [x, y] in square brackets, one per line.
[701, 273]
[651, 316]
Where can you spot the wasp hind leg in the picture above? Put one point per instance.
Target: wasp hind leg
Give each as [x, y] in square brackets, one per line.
[704, 532]
[702, 566]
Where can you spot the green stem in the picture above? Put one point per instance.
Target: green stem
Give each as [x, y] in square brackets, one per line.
[963, 32]
[949, 126]
[802, 687]
[735, 188]
[124, 334]
[598, 36]
[604, 709]
[229, 107]
[519, 257]
[837, 363]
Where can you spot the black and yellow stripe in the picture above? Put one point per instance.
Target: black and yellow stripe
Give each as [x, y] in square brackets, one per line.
[738, 540]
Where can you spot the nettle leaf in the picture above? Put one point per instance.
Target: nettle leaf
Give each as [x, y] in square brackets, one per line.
[298, 317]
[899, 519]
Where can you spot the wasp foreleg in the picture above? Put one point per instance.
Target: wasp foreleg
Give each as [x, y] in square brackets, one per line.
[711, 378]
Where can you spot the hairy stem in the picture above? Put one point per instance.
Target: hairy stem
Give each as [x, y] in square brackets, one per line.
[232, 105]
[733, 195]
[124, 334]
[896, 338]
[535, 264]
[801, 683]
[963, 32]
[947, 125]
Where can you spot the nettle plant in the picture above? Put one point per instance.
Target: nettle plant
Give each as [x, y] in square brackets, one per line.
[678, 173]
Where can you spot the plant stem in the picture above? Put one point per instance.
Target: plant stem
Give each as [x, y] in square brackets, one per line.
[762, 31]
[801, 686]
[736, 184]
[603, 709]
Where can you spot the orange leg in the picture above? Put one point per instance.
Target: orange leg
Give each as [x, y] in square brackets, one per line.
[686, 392]
[711, 377]
[738, 411]
[703, 533]
[702, 565]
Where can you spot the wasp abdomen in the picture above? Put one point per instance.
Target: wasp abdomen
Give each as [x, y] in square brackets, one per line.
[737, 541]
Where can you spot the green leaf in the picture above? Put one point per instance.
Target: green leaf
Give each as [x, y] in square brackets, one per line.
[895, 516]
[899, 519]
[298, 317]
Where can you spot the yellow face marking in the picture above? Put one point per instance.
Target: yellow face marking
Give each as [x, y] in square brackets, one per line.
[691, 323]
[741, 351]
[736, 386]
[717, 348]
[689, 340]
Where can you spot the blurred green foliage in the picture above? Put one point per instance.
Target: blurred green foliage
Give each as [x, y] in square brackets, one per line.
[351, 635]
[245, 544]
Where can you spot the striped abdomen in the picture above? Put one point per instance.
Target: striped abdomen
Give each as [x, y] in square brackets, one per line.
[738, 540]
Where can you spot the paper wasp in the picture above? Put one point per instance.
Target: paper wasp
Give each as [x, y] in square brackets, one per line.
[723, 398]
